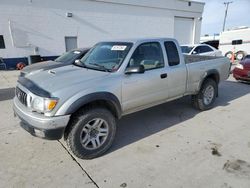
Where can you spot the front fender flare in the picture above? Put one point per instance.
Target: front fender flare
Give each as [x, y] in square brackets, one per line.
[103, 96]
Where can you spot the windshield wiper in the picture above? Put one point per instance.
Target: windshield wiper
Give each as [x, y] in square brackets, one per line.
[101, 66]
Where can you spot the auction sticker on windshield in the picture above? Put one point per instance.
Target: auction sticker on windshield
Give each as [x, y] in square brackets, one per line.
[118, 48]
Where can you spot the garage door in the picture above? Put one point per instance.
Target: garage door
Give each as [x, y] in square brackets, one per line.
[183, 30]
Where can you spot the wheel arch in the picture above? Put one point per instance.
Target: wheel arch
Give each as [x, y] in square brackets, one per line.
[211, 74]
[100, 99]
[229, 52]
[241, 51]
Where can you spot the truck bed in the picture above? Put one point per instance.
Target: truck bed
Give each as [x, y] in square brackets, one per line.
[197, 58]
[198, 66]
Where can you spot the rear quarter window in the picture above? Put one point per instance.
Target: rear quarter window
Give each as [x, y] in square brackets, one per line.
[172, 53]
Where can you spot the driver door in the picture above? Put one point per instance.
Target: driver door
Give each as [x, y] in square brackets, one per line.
[140, 90]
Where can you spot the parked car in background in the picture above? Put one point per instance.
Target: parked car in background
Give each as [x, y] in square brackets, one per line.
[67, 58]
[82, 103]
[242, 70]
[247, 57]
[200, 49]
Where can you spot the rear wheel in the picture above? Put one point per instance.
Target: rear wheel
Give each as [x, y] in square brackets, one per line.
[91, 133]
[240, 55]
[204, 100]
[229, 55]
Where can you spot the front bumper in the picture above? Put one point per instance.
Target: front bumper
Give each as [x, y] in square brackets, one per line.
[51, 128]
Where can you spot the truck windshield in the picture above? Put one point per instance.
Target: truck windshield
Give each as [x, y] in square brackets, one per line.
[106, 56]
[186, 49]
[68, 56]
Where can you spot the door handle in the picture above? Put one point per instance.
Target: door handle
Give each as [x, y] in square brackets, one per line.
[165, 75]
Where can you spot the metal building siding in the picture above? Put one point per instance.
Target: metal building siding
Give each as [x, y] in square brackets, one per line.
[44, 24]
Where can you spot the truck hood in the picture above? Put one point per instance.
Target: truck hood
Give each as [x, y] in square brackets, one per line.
[38, 67]
[54, 80]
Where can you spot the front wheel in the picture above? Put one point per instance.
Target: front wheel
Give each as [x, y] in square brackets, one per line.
[91, 133]
[204, 100]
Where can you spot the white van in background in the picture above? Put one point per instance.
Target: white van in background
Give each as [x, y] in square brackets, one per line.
[235, 43]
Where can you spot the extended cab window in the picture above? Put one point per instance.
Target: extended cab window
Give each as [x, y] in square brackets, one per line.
[149, 55]
[172, 53]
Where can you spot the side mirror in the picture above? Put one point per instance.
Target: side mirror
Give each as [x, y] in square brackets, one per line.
[77, 61]
[194, 52]
[133, 70]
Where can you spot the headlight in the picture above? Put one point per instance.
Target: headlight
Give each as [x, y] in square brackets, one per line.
[239, 66]
[40, 104]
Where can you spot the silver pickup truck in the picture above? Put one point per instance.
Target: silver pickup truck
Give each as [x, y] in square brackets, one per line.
[82, 102]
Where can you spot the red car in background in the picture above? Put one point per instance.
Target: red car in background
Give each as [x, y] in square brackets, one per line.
[242, 70]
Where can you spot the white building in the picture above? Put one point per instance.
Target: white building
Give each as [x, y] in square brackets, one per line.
[50, 27]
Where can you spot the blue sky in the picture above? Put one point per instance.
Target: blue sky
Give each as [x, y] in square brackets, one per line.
[213, 16]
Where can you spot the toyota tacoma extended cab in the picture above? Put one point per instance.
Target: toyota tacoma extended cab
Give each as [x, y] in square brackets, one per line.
[82, 102]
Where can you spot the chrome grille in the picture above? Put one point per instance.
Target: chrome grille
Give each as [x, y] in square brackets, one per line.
[22, 96]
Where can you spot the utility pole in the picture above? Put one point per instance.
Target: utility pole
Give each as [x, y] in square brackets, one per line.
[226, 4]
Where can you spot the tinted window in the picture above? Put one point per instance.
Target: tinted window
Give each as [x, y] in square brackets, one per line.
[202, 49]
[186, 49]
[247, 57]
[172, 53]
[149, 55]
[236, 42]
[2, 44]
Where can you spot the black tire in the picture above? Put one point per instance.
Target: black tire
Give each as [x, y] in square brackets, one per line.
[229, 55]
[199, 101]
[77, 128]
[240, 55]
